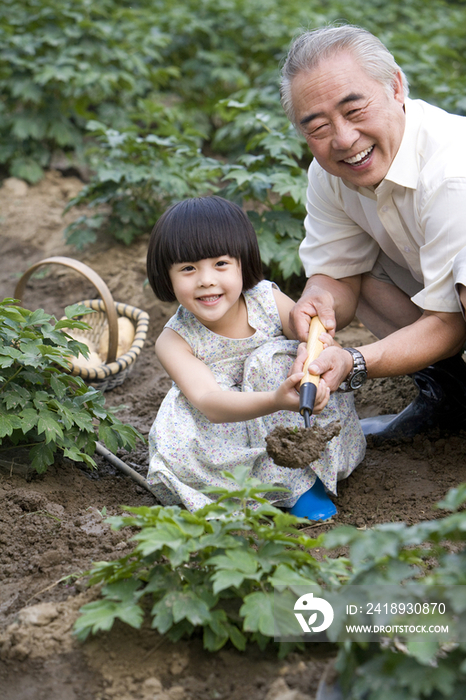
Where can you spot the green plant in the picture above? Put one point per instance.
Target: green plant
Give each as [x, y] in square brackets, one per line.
[41, 406]
[431, 553]
[269, 177]
[138, 176]
[214, 569]
[63, 62]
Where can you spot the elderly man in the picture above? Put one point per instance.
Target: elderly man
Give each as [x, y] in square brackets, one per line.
[386, 218]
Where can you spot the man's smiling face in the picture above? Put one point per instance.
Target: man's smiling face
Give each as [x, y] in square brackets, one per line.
[351, 123]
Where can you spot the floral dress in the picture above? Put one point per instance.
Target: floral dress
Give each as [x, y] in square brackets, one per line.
[188, 453]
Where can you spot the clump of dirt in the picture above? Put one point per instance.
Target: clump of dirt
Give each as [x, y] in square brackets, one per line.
[296, 448]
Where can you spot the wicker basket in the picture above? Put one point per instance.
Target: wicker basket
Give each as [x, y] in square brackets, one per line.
[114, 370]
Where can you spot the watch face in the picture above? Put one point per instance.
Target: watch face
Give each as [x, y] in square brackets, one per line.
[358, 379]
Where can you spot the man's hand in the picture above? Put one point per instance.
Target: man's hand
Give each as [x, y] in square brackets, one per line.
[333, 301]
[301, 355]
[315, 301]
[333, 365]
[330, 364]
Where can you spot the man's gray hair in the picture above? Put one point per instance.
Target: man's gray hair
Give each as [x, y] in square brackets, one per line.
[313, 47]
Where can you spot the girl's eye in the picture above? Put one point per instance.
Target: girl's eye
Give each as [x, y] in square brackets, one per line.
[187, 268]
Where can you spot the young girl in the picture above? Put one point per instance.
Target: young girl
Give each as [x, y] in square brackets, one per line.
[228, 350]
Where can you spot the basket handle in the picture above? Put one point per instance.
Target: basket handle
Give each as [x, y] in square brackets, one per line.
[98, 283]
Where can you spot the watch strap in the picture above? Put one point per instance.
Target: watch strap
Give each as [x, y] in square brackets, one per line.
[359, 369]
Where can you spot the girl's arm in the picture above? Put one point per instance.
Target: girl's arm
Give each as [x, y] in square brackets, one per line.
[284, 306]
[198, 384]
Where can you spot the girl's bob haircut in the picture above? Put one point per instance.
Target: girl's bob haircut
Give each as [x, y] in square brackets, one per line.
[199, 228]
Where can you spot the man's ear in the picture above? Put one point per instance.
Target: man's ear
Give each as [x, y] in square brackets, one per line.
[398, 89]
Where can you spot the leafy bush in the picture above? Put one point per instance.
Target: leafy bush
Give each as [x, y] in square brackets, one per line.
[137, 177]
[41, 406]
[63, 62]
[427, 40]
[269, 179]
[213, 569]
[227, 93]
[216, 570]
[417, 669]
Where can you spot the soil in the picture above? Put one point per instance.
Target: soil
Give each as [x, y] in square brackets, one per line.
[52, 526]
[296, 448]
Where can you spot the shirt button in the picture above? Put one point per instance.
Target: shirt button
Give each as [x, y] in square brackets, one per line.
[385, 208]
[407, 250]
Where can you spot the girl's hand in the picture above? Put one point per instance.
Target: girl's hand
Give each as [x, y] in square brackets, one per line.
[287, 394]
[327, 340]
[322, 396]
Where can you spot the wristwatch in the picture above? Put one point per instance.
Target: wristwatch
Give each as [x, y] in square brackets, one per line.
[358, 374]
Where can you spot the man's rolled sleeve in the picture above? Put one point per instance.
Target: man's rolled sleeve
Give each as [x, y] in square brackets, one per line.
[443, 221]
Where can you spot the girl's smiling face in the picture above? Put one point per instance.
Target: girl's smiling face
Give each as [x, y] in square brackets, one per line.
[210, 288]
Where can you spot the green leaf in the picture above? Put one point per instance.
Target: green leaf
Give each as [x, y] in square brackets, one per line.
[237, 637]
[17, 397]
[187, 605]
[58, 387]
[72, 311]
[108, 436]
[287, 576]
[226, 579]
[257, 611]
[8, 424]
[29, 418]
[454, 498]
[162, 615]
[9, 352]
[237, 560]
[84, 421]
[48, 424]
[31, 354]
[27, 169]
[424, 650]
[119, 603]
[153, 539]
[214, 641]
[41, 457]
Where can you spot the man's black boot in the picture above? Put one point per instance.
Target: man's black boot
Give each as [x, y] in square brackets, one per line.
[441, 403]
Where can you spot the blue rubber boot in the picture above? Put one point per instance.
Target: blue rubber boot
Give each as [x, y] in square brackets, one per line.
[314, 504]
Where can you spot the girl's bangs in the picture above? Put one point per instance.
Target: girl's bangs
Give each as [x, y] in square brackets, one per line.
[200, 243]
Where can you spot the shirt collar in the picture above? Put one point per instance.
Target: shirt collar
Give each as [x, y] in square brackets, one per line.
[404, 170]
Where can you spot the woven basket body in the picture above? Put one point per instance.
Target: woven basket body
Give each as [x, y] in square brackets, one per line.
[115, 370]
[110, 375]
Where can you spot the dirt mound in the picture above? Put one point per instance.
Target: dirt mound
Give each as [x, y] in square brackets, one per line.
[296, 448]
